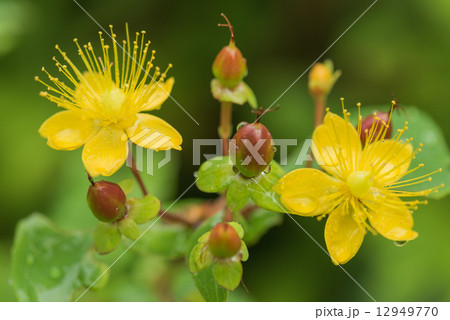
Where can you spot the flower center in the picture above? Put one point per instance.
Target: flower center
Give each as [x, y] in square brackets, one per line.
[359, 183]
[112, 102]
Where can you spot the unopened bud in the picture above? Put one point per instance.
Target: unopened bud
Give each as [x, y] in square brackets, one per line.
[252, 148]
[224, 242]
[229, 67]
[107, 201]
[322, 77]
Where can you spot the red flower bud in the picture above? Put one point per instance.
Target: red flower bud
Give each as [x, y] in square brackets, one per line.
[224, 242]
[107, 201]
[229, 67]
[379, 122]
[252, 149]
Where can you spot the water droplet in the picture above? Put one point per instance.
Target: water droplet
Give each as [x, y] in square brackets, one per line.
[30, 259]
[400, 243]
[55, 272]
[241, 124]
[303, 205]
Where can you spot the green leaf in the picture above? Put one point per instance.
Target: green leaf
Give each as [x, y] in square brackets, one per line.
[142, 210]
[228, 273]
[238, 95]
[215, 174]
[126, 185]
[435, 152]
[251, 98]
[259, 222]
[208, 287]
[163, 239]
[129, 228]
[94, 273]
[106, 237]
[237, 227]
[46, 262]
[200, 258]
[261, 189]
[244, 251]
[238, 194]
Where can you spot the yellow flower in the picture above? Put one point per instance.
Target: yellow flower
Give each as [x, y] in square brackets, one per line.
[362, 184]
[105, 104]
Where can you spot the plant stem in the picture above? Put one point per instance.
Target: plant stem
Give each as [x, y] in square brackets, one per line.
[319, 109]
[138, 177]
[226, 110]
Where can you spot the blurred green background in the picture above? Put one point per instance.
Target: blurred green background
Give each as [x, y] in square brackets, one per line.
[399, 47]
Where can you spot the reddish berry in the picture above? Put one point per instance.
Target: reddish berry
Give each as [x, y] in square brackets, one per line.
[252, 149]
[224, 242]
[107, 201]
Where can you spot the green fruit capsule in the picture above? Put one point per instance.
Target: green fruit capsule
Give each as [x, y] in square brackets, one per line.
[252, 149]
[224, 242]
[107, 201]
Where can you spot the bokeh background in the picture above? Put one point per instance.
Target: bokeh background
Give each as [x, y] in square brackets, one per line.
[399, 47]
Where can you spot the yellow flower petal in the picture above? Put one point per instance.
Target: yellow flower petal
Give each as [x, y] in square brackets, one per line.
[388, 159]
[67, 130]
[343, 235]
[391, 219]
[156, 94]
[336, 146]
[154, 133]
[106, 152]
[308, 192]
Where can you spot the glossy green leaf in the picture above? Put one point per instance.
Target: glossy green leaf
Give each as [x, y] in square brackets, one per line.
[228, 273]
[238, 194]
[259, 222]
[210, 290]
[215, 175]
[142, 210]
[129, 228]
[46, 262]
[106, 237]
[261, 189]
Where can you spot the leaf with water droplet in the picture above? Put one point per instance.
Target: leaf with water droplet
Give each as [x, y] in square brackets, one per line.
[46, 261]
[261, 189]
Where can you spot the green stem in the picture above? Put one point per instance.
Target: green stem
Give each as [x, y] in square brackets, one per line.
[226, 110]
